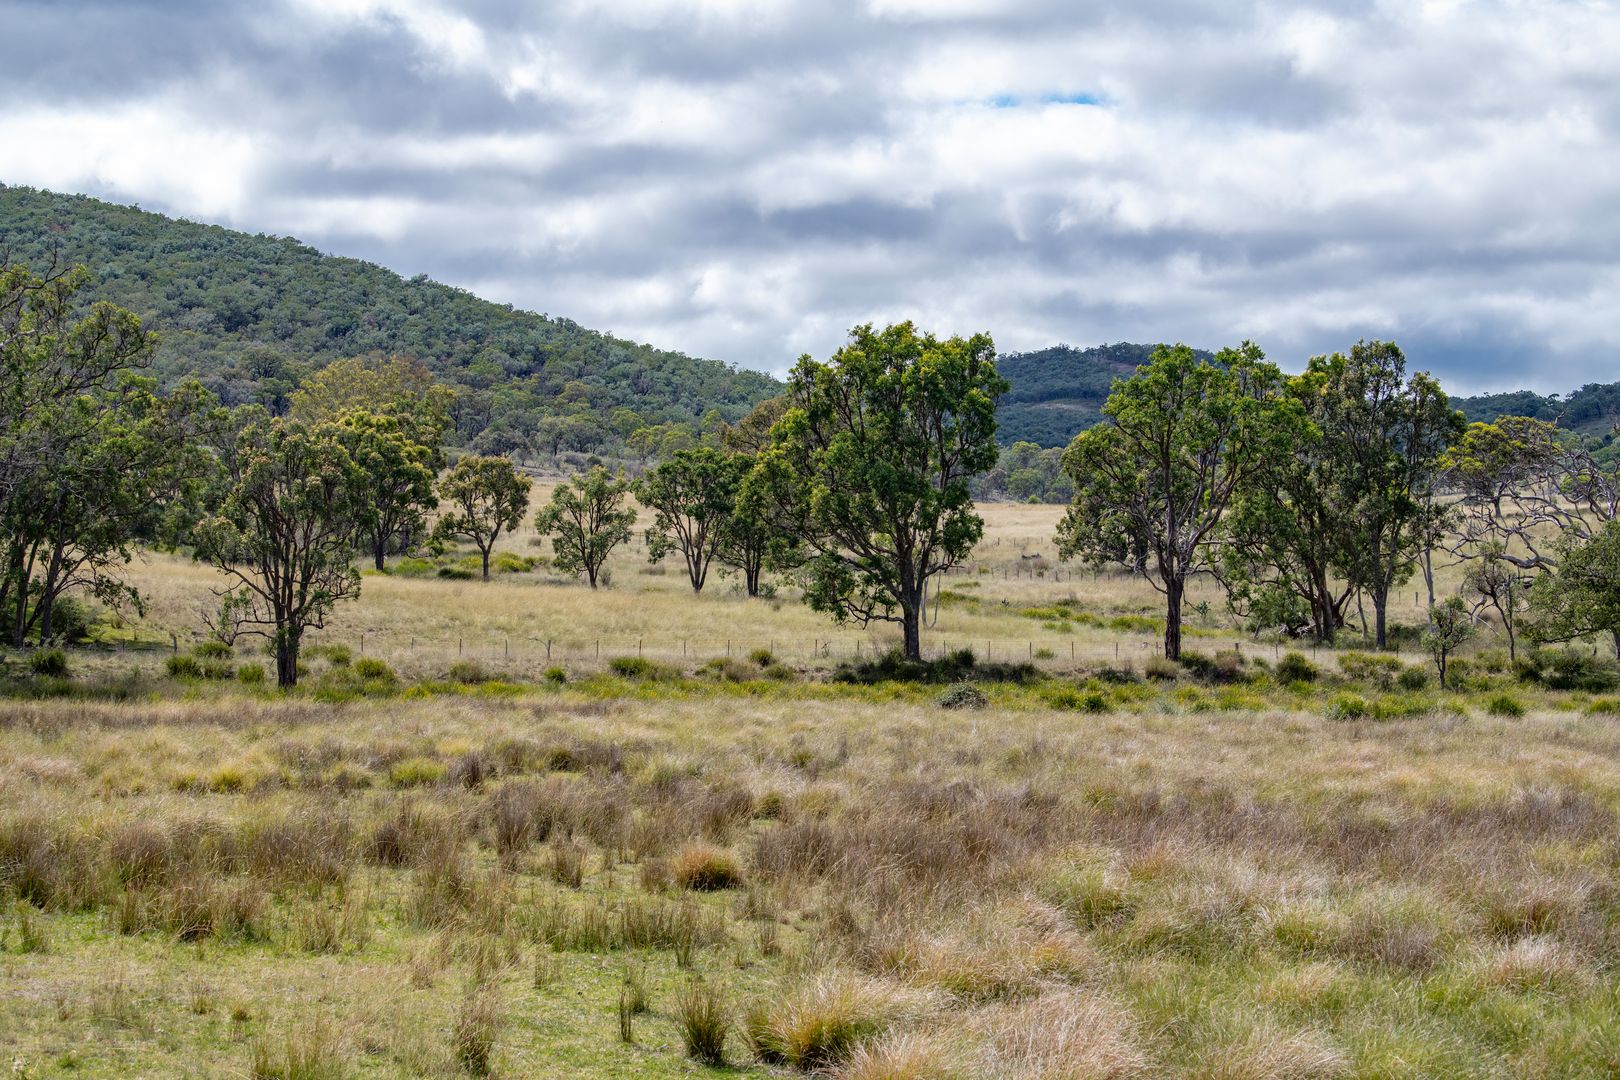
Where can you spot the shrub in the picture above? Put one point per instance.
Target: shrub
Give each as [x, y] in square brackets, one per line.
[336, 655]
[1293, 667]
[556, 676]
[1569, 669]
[1223, 667]
[183, 666]
[1123, 676]
[1348, 707]
[1082, 700]
[706, 868]
[469, 673]
[1371, 668]
[962, 696]
[762, 657]
[369, 667]
[211, 650]
[51, 663]
[955, 667]
[1161, 668]
[1415, 678]
[1504, 705]
[703, 1017]
[507, 562]
[639, 667]
[251, 674]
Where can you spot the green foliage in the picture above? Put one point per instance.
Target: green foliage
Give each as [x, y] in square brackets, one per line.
[51, 663]
[1348, 707]
[469, 673]
[958, 666]
[487, 496]
[868, 468]
[283, 533]
[1505, 705]
[369, 667]
[1569, 669]
[400, 470]
[962, 696]
[252, 316]
[251, 674]
[183, 666]
[1451, 625]
[1581, 597]
[1153, 481]
[556, 676]
[586, 519]
[692, 495]
[1293, 667]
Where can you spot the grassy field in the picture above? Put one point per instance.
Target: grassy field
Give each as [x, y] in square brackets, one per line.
[1247, 867]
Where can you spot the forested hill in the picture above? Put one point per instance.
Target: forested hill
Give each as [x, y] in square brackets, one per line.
[252, 315]
[1059, 392]
[1593, 410]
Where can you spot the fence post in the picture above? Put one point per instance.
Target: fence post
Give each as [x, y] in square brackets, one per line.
[638, 646]
[509, 648]
[599, 648]
[460, 644]
[548, 650]
[362, 644]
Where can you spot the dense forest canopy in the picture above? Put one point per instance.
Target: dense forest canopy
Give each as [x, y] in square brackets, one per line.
[251, 316]
[1593, 410]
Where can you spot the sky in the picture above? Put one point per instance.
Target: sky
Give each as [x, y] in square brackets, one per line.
[747, 179]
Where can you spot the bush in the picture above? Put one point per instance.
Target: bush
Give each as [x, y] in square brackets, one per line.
[956, 667]
[183, 666]
[1569, 669]
[1077, 698]
[706, 868]
[1125, 676]
[1293, 667]
[72, 619]
[1161, 668]
[369, 667]
[336, 655]
[1224, 667]
[1348, 707]
[469, 673]
[556, 676]
[51, 663]
[762, 657]
[211, 650]
[1504, 705]
[962, 696]
[251, 674]
[1415, 678]
[1378, 671]
[507, 562]
[639, 667]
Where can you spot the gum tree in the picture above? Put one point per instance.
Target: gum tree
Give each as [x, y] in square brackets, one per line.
[486, 497]
[692, 496]
[868, 468]
[283, 534]
[1178, 441]
[586, 519]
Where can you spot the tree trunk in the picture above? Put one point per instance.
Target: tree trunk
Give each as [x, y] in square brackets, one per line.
[287, 641]
[1174, 588]
[1380, 599]
[590, 572]
[486, 563]
[751, 570]
[379, 552]
[911, 622]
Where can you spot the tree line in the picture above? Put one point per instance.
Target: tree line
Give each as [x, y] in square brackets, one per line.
[1302, 495]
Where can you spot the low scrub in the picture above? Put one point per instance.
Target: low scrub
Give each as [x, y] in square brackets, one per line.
[955, 667]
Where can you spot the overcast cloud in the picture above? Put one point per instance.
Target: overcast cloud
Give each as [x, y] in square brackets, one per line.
[746, 179]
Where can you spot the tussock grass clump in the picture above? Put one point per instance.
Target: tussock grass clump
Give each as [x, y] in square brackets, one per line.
[373, 669]
[706, 868]
[1062, 1035]
[416, 772]
[1295, 668]
[905, 1056]
[1266, 1052]
[469, 673]
[1505, 705]
[819, 1023]
[1535, 964]
[310, 1051]
[1161, 668]
[474, 1031]
[703, 1015]
[640, 669]
[955, 667]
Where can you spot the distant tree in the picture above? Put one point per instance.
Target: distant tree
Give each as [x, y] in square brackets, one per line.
[284, 534]
[692, 495]
[486, 497]
[868, 468]
[752, 434]
[1497, 583]
[1153, 481]
[400, 473]
[396, 386]
[1492, 462]
[1581, 596]
[1450, 627]
[586, 519]
[751, 539]
[1384, 435]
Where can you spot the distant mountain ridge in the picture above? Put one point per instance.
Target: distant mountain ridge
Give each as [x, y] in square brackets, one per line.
[1593, 410]
[1059, 392]
[251, 315]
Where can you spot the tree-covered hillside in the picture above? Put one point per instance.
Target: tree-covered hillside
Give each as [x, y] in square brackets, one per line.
[1593, 410]
[1059, 392]
[252, 315]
